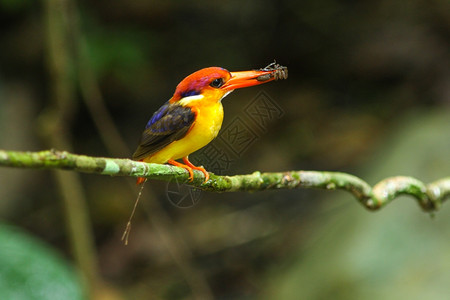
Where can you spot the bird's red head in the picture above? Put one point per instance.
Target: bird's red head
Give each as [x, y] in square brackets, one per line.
[214, 83]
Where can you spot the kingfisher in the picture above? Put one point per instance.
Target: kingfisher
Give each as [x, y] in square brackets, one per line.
[193, 116]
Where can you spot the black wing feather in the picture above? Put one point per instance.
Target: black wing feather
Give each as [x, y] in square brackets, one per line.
[170, 123]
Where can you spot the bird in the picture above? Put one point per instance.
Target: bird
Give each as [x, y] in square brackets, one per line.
[193, 116]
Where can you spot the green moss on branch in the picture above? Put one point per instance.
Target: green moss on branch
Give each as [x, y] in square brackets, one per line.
[429, 197]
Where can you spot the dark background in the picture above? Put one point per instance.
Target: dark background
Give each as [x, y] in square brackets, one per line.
[368, 93]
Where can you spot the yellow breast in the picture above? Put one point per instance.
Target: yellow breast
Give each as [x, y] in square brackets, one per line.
[205, 128]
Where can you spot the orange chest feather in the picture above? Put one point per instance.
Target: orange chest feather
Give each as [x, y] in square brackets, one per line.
[207, 124]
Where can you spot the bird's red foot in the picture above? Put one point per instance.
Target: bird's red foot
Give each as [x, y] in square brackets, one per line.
[189, 167]
[201, 169]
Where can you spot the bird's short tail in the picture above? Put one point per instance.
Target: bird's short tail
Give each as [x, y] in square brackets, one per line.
[140, 180]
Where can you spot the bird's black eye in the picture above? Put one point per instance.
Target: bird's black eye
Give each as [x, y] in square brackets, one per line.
[216, 83]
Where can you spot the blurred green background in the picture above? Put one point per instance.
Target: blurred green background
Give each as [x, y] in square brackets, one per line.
[368, 93]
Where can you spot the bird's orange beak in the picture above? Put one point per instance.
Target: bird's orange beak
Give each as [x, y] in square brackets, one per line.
[248, 78]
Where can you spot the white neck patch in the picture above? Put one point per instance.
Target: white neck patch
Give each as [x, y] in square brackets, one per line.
[190, 99]
[187, 100]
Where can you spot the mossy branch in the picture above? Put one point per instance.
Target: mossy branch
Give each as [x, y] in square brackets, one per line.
[429, 197]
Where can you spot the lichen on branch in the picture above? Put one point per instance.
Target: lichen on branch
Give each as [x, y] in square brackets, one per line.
[429, 197]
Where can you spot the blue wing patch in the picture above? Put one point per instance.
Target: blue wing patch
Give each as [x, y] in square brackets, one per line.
[158, 115]
[169, 123]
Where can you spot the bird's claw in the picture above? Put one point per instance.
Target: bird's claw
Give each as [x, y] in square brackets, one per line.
[188, 166]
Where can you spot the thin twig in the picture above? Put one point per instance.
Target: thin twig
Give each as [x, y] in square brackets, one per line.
[126, 232]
